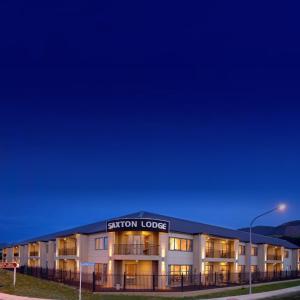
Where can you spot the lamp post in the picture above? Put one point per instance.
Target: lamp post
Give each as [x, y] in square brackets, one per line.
[280, 207]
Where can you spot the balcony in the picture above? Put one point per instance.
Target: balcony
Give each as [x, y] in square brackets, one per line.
[33, 253]
[210, 253]
[67, 251]
[136, 249]
[274, 257]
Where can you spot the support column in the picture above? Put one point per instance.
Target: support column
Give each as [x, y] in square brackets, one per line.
[163, 262]
[235, 277]
[248, 254]
[203, 239]
[111, 265]
[262, 257]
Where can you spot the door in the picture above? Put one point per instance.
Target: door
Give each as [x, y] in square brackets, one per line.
[224, 273]
[131, 274]
[209, 273]
[137, 244]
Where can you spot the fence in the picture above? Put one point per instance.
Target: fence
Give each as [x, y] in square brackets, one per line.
[125, 282]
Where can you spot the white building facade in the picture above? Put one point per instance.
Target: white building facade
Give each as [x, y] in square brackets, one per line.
[135, 248]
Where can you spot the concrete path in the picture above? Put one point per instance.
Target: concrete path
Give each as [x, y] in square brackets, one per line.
[265, 295]
[12, 297]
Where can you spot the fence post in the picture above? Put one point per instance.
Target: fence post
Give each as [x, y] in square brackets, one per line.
[94, 282]
[124, 281]
[200, 280]
[182, 282]
[228, 277]
[153, 282]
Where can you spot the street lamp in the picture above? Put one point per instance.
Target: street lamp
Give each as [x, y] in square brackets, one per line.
[281, 208]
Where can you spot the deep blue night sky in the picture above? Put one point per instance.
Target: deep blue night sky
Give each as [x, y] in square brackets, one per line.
[183, 108]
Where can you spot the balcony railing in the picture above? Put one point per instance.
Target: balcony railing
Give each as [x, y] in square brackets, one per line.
[274, 257]
[210, 253]
[136, 249]
[33, 253]
[67, 251]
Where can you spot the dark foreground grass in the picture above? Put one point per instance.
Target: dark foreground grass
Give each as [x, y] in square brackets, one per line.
[34, 287]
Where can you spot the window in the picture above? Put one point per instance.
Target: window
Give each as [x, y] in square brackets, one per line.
[101, 273]
[47, 248]
[242, 250]
[101, 268]
[286, 254]
[254, 268]
[101, 243]
[241, 268]
[178, 244]
[254, 251]
[180, 269]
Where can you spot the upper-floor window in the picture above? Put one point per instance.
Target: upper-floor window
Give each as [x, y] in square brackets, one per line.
[178, 244]
[242, 250]
[254, 251]
[47, 248]
[101, 243]
[286, 254]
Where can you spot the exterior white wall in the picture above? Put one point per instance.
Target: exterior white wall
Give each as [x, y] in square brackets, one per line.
[288, 262]
[50, 255]
[23, 255]
[86, 252]
[93, 255]
[10, 255]
[43, 255]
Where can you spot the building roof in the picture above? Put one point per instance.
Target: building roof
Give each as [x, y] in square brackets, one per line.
[176, 225]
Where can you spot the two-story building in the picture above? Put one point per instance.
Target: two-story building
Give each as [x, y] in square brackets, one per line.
[135, 247]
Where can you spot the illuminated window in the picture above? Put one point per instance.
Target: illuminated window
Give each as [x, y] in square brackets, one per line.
[178, 244]
[241, 268]
[180, 269]
[242, 250]
[101, 243]
[286, 254]
[253, 269]
[171, 243]
[254, 251]
[183, 245]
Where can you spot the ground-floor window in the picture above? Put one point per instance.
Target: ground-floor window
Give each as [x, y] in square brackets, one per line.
[179, 272]
[254, 268]
[241, 268]
[101, 272]
[180, 269]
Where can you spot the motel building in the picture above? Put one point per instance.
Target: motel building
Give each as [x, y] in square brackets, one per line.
[145, 249]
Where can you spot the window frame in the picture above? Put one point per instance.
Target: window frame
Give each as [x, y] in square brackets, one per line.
[243, 248]
[103, 243]
[179, 271]
[175, 241]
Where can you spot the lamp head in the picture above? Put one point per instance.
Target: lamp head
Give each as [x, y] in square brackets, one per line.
[281, 207]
